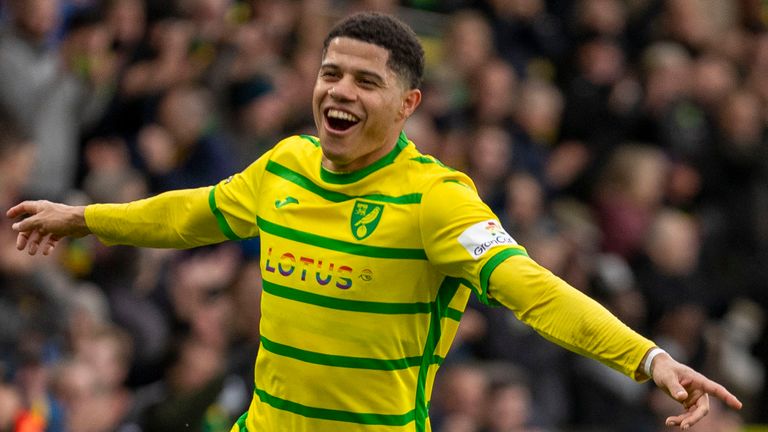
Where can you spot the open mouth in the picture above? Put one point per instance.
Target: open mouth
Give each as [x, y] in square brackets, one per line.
[340, 120]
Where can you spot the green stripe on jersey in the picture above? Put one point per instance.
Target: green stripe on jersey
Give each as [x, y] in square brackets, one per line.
[339, 245]
[445, 294]
[307, 184]
[331, 414]
[431, 160]
[454, 314]
[241, 422]
[339, 360]
[490, 265]
[348, 178]
[424, 160]
[220, 219]
[313, 140]
[382, 308]
[344, 304]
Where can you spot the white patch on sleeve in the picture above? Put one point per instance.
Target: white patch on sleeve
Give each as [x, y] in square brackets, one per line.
[482, 236]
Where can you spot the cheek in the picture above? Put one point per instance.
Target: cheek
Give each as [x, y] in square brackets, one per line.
[316, 101]
[389, 108]
[318, 91]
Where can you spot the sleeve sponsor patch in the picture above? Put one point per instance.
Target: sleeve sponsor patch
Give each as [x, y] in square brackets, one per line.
[482, 236]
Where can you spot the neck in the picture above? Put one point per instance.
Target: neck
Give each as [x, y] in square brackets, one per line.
[339, 166]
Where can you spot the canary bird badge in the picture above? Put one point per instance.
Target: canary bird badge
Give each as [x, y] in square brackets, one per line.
[365, 218]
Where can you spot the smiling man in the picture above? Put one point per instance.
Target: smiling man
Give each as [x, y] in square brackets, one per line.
[369, 253]
[360, 102]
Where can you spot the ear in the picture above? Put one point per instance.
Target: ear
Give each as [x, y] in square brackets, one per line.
[411, 101]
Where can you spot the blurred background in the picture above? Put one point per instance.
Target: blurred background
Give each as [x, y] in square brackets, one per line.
[623, 142]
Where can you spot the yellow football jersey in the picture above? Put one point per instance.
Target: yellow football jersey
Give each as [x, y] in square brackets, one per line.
[366, 276]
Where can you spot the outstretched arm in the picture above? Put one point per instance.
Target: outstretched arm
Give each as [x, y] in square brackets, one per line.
[176, 219]
[44, 223]
[571, 319]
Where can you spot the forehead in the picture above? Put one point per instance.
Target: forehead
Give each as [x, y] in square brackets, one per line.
[344, 51]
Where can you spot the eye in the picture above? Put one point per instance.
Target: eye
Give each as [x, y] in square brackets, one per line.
[366, 83]
[329, 74]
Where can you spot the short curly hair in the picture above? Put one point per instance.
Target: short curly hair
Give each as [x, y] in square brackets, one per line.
[406, 55]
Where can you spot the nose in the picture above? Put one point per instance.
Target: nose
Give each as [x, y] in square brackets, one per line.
[342, 90]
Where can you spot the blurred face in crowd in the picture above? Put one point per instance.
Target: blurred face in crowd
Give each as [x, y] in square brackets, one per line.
[10, 406]
[491, 152]
[184, 112]
[127, 18]
[605, 17]
[509, 408]
[359, 103]
[494, 91]
[36, 18]
[469, 42]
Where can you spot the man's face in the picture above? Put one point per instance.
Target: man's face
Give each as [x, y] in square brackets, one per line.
[359, 104]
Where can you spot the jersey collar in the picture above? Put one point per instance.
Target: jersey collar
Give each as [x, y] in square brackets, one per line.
[351, 177]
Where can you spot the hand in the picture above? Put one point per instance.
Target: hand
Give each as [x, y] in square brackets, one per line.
[44, 223]
[690, 388]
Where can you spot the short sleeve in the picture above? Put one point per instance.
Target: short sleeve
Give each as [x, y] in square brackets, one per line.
[235, 201]
[462, 236]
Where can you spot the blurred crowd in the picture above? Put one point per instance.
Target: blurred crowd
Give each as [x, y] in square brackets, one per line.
[623, 142]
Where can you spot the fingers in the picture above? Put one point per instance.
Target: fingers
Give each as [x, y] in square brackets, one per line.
[21, 240]
[42, 225]
[693, 398]
[671, 381]
[684, 385]
[681, 421]
[701, 384]
[30, 237]
[33, 242]
[722, 393]
[50, 243]
[677, 391]
[16, 210]
[694, 413]
[692, 390]
[22, 208]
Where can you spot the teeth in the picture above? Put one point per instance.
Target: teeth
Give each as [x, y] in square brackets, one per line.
[341, 115]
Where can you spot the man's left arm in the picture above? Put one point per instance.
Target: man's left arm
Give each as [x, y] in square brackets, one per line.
[571, 319]
[566, 316]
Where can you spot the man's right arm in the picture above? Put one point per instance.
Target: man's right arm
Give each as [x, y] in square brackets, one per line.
[176, 219]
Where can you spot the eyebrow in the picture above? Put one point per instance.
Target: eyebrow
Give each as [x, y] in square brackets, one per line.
[357, 72]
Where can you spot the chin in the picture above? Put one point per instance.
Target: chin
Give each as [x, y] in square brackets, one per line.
[334, 143]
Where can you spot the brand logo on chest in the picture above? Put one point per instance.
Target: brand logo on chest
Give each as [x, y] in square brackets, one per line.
[287, 264]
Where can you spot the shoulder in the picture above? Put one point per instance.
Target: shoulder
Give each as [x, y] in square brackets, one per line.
[429, 172]
[297, 144]
[443, 189]
[295, 151]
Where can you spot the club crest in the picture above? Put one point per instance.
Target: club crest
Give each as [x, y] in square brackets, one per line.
[365, 218]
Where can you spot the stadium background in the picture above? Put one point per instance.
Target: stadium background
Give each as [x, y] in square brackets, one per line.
[623, 142]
